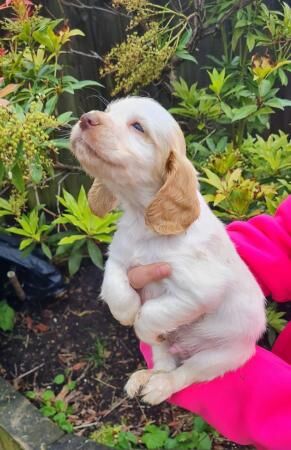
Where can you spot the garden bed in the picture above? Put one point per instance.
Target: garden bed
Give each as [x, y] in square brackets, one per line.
[76, 336]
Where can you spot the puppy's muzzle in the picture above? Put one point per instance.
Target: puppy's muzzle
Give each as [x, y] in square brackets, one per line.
[88, 120]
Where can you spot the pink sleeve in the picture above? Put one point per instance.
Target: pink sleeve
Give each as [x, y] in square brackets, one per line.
[253, 404]
[249, 406]
[264, 243]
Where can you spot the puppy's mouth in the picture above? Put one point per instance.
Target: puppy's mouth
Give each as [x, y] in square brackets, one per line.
[79, 141]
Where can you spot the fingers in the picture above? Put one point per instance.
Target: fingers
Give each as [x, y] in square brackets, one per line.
[142, 275]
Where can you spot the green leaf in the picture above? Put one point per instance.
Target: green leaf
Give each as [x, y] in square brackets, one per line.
[226, 109]
[171, 443]
[31, 395]
[236, 35]
[7, 316]
[51, 104]
[36, 173]
[17, 178]
[71, 386]
[279, 103]
[59, 379]
[67, 427]
[95, 254]
[46, 250]
[27, 251]
[2, 171]
[275, 318]
[25, 243]
[125, 439]
[19, 231]
[199, 424]
[60, 405]
[48, 395]
[218, 80]
[242, 113]
[74, 263]
[251, 41]
[183, 54]
[61, 143]
[186, 36]
[283, 77]
[212, 179]
[76, 32]
[65, 117]
[4, 204]
[47, 38]
[154, 437]
[84, 83]
[60, 417]
[48, 410]
[205, 443]
[103, 238]
[264, 87]
[71, 239]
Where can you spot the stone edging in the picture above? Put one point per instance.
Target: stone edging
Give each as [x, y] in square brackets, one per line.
[23, 427]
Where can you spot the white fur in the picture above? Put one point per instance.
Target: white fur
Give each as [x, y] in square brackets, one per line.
[210, 311]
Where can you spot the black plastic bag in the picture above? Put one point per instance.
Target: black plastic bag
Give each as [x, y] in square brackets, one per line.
[38, 278]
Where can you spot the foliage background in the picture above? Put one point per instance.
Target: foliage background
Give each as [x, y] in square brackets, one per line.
[104, 28]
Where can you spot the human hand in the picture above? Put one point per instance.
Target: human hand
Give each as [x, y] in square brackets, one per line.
[140, 276]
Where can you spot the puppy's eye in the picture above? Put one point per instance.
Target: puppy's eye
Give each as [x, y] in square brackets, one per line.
[138, 127]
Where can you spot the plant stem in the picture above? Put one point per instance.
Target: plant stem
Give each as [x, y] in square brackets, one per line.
[224, 42]
[240, 132]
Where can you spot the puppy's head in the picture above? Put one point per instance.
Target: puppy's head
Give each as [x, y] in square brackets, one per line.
[136, 152]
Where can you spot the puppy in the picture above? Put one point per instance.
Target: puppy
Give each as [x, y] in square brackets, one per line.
[205, 319]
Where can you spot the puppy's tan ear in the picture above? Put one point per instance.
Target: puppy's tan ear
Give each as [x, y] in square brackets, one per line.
[101, 200]
[176, 205]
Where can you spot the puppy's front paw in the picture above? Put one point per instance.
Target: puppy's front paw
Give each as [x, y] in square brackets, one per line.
[144, 329]
[126, 309]
[127, 315]
[158, 389]
[136, 382]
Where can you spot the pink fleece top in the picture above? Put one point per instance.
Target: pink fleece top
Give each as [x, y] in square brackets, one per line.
[253, 404]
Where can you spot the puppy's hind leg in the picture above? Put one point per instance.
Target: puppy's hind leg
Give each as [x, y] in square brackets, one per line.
[203, 366]
[163, 361]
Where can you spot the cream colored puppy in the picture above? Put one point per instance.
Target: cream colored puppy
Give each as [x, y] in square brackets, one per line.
[206, 318]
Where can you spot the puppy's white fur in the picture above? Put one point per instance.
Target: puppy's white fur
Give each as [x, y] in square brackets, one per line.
[210, 311]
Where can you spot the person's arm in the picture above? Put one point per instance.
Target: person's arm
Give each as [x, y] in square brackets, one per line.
[253, 404]
[249, 406]
[264, 243]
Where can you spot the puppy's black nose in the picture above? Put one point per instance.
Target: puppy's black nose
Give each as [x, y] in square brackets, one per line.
[88, 120]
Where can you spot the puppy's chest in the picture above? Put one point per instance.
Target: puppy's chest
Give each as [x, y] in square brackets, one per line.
[135, 246]
[136, 249]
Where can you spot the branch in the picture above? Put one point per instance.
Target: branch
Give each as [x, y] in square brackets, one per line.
[92, 54]
[236, 7]
[61, 166]
[80, 5]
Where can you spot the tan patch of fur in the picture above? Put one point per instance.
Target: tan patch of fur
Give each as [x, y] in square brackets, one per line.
[101, 200]
[176, 204]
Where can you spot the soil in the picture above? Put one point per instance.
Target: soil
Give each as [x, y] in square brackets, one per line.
[61, 338]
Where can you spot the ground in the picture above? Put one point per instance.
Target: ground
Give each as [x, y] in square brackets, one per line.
[76, 335]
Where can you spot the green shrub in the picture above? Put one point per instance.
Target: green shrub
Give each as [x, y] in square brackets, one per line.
[244, 171]
[79, 237]
[31, 84]
[56, 406]
[156, 437]
[7, 316]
